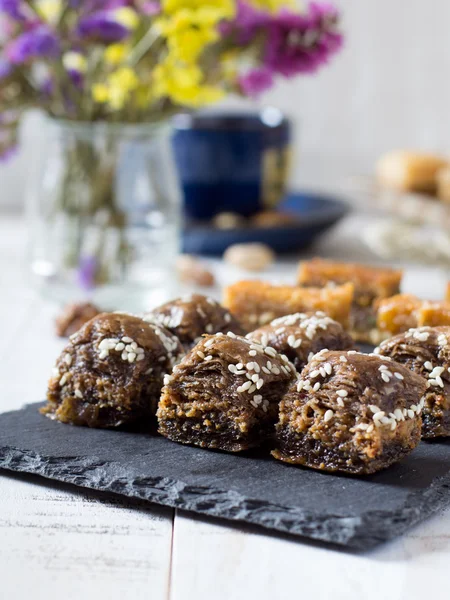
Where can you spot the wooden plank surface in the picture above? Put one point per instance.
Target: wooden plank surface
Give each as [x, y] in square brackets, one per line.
[221, 562]
[56, 541]
[59, 542]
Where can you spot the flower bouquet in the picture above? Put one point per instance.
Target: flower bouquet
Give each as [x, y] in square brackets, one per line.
[110, 74]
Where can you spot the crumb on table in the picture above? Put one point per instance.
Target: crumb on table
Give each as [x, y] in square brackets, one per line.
[74, 316]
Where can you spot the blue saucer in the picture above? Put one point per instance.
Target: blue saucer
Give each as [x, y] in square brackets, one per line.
[316, 213]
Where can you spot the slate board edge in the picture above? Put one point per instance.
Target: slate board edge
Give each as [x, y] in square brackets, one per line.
[356, 533]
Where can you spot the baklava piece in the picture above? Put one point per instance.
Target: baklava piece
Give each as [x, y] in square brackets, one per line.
[224, 394]
[74, 316]
[403, 312]
[409, 171]
[397, 314]
[433, 314]
[111, 372]
[257, 303]
[300, 335]
[426, 351]
[191, 316]
[350, 412]
[371, 285]
[443, 184]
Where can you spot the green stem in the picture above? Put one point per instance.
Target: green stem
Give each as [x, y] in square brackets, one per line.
[88, 105]
[143, 46]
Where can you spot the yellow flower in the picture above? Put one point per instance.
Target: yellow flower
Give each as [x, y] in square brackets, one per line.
[125, 77]
[170, 78]
[188, 45]
[118, 88]
[229, 61]
[189, 31]
[143, 96]
[121, 83]
[49, 10]
[183, 84]
[205, 16]
[189, 27]
[209, 94]
[116, 53]
[75, 61]
[100, 92]
[196, 96]
[226, 8]
[274, 5]
[127, 17]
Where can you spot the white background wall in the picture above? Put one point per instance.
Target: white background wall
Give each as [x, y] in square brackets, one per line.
[389, 88]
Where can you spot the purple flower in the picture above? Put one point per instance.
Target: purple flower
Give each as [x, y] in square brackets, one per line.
[256, 81]
[103, 27]
[323, 11]
[151, 8]
[89, 6]
[76, 78]
[246, 24]
[302, 43]
[87, 271]
[8, 143]
[12, 8]
[39, 42]
[47, 86]
[5, 69]
[7, 152]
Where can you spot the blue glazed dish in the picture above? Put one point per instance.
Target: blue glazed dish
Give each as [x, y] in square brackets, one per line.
[316, 214]
[232, 162]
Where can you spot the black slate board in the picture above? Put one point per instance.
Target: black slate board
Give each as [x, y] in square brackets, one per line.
[253, 488]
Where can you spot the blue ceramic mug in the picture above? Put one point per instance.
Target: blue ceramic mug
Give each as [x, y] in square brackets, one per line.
[232, 162]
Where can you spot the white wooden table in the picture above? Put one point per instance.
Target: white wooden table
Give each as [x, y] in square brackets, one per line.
[59, 542]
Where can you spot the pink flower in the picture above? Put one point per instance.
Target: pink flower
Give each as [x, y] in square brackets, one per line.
[256, 81]
[287, 43]
[302, 43]
[246, 24]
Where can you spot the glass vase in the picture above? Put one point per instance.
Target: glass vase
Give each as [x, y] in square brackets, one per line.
[104, 208]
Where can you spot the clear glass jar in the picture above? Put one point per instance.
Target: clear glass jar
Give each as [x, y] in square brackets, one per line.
[104, 209]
